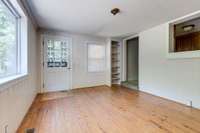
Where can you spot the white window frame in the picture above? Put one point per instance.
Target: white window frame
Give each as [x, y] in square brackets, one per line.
[21, 46]
[95, 43]
[10, 7]
[170, 41]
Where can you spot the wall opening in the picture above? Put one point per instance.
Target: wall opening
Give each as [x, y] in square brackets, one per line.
[184, 37]
[132, 63]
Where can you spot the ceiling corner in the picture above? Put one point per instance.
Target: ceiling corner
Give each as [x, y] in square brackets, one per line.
[29, 12]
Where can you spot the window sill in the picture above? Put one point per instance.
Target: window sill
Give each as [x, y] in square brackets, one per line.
[6, 82]
[184, 55]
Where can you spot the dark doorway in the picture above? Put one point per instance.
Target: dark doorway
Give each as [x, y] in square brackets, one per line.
[132, 63]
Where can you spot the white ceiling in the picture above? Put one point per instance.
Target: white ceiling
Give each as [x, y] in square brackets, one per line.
[93, 16]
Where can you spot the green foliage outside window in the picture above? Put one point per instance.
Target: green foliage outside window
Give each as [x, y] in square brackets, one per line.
[7, 39]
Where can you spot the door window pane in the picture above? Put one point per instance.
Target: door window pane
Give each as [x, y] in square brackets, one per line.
[57, 53]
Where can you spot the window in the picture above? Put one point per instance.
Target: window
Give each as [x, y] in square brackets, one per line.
[13, 40]
[57, 53]
[187, 35]
[96, 57]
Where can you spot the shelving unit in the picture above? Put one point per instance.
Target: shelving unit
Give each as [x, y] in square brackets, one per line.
[115, 61]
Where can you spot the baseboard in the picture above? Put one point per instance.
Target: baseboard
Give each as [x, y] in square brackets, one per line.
[29, 108]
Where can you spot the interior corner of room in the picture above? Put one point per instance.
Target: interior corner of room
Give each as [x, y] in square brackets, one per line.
[109, 68]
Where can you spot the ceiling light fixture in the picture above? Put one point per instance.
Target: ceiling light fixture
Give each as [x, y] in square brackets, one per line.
[115, 11]
[187, 28]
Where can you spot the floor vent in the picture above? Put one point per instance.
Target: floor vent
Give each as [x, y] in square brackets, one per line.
[31, 130]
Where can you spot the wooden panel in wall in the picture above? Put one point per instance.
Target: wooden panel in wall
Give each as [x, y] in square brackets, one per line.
[189, 42]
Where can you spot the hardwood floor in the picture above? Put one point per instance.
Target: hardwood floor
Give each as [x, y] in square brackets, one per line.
[109, 110]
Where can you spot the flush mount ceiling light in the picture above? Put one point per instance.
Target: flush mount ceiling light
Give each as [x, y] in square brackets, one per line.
[115, 11]
[187, 28]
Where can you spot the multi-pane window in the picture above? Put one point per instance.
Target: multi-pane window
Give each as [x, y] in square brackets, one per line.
[96, 57]
[8, 40]
[57, 53]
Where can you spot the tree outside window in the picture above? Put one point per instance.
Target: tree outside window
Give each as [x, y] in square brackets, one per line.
[8, 42]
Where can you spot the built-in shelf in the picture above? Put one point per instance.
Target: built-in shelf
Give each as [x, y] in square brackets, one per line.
[115, 46]
[115, 60]
[115, 54]
[114, 79]
[115, 73]
[114, 68]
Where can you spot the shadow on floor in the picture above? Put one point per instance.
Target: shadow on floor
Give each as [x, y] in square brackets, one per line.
[133, 84]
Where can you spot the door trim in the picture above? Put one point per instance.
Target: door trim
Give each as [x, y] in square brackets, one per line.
[42, 38]
[124, 54]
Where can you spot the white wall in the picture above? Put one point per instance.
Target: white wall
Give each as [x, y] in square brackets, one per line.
[17, 96]
[175, 79]
[81, 78]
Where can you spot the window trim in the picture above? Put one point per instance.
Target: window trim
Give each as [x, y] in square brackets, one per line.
[12, 9]
[170, 40]
[95, 43]
[4, 82]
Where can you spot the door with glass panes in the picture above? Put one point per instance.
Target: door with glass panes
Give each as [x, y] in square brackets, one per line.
[57, 64]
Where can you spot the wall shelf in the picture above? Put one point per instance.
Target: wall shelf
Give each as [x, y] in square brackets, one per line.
[115, 62]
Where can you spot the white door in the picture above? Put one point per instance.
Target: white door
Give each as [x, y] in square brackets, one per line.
[57, 64]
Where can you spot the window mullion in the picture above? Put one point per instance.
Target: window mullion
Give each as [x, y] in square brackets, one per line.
[11, 8]
[18, 36]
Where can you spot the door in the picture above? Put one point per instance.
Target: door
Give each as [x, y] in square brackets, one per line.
[57, 64]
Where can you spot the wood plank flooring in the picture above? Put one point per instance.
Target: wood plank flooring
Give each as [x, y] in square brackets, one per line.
[109, 110]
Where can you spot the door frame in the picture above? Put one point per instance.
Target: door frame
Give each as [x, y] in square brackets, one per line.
[124, 56]
[42, 38]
